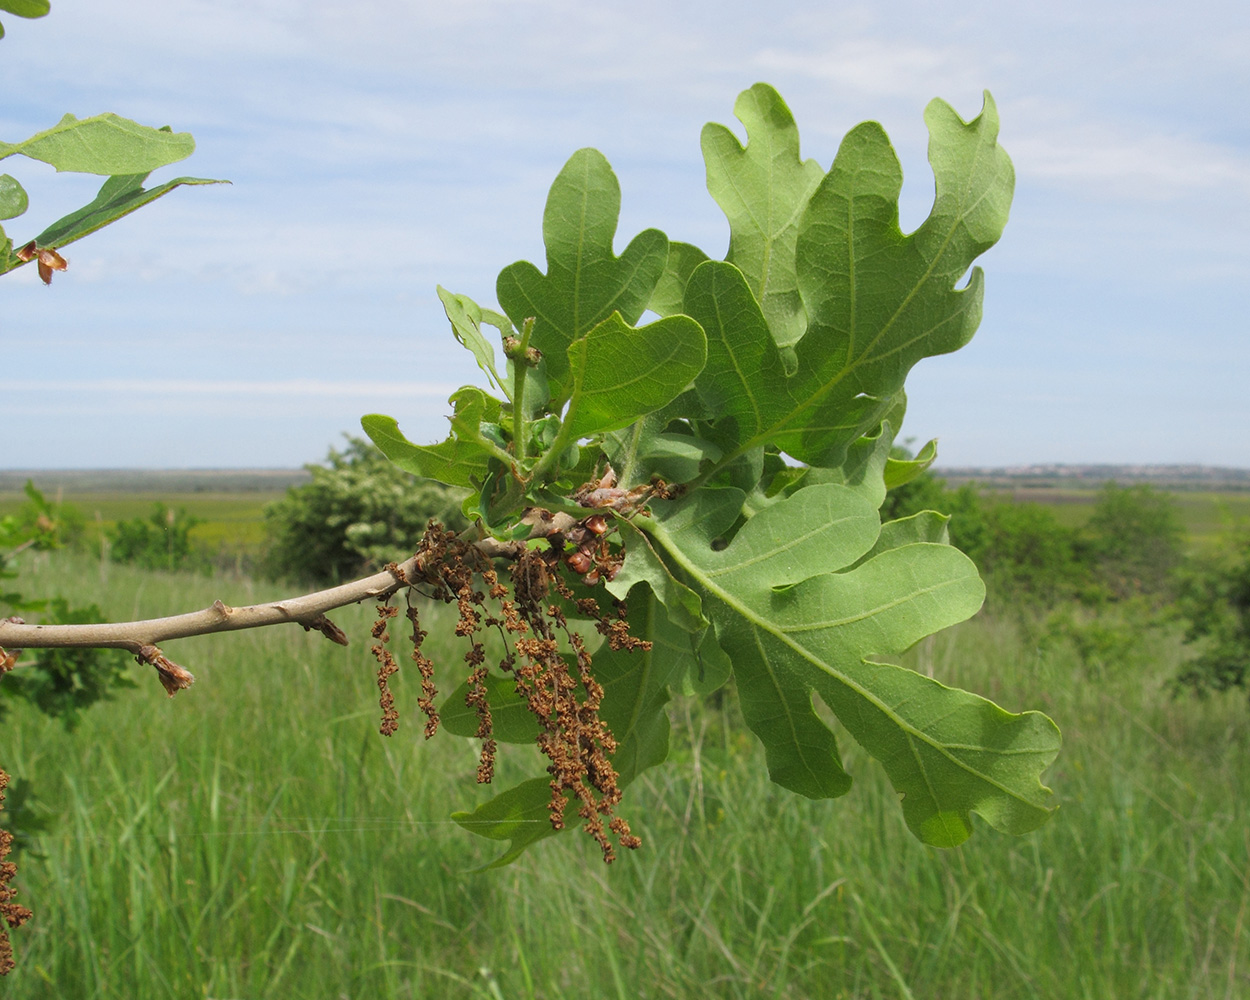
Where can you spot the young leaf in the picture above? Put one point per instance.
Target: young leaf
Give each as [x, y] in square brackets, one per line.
[466, 324]
[900, 471]
[617, 374]
[463, 459]
[104, 144]
[797, 626]
[763, 190]
[585, 282]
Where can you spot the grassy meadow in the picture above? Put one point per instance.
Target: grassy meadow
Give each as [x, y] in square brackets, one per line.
[255, 837]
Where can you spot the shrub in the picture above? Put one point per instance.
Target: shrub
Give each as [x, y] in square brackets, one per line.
[63, 682]
[162, 540]
[59, 682]
[1134, 541]
[1029, 554]
[1215, 598]
[359, 512]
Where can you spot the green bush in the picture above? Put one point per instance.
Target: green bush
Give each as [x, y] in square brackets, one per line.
[1107, 640]
[1134, 541]
[1133, 544]
[358, 513]
[63, 682]
[162, 540]
[59, 682]
[1030, 555]
[1215, 599]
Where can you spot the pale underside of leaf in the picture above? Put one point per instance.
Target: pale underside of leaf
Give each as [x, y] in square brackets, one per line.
[794, 630]
[763, 189]
[876, 300]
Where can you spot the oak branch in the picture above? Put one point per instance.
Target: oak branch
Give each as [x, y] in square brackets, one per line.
[309, 610]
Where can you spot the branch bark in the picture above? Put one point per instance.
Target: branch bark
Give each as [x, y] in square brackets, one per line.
[308, 610]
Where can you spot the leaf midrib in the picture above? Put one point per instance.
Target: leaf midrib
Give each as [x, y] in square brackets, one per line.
[758, 622]
[764, 436]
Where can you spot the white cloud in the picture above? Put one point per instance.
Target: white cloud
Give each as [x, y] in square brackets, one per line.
[1069, 147]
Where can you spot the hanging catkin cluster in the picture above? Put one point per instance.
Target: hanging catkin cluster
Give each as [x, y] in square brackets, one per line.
[560, 691]
[11, 914]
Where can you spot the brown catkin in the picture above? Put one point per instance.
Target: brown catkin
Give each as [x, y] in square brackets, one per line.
[386, 667]
[560, 691]
[12, 915]
[425, 667]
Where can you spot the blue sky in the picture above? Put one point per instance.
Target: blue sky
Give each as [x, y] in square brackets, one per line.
[380, 148]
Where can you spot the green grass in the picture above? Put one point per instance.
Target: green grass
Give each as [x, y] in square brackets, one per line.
[255, 837]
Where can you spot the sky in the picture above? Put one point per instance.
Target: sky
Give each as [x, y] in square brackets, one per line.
[379, 148]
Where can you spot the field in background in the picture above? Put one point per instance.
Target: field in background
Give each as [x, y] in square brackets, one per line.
[255, 836]
[1209, 500]
[231, 503]
[1207, 515]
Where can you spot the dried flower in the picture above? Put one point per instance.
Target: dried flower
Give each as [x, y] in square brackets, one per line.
[12, 915]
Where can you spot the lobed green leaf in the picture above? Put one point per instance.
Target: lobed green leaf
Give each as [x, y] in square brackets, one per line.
[585, 281]
[618, 373]
[791, 596]
[876, 301]
[463, 459]
[763, 189]
[104, 144]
